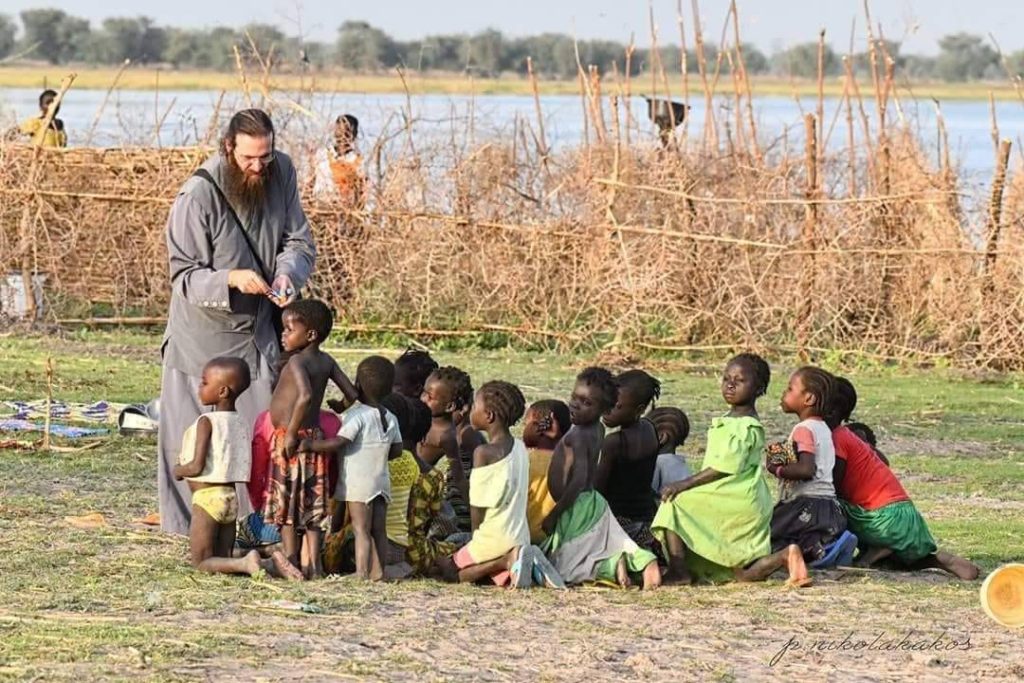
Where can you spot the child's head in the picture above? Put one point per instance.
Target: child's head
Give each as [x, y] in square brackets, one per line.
[637, 390]
[546, 422]
[864, 433]
[672, 427]
[374, 377]
[594, 395]
[447, 390]
[223, 378]
[45, 99]
[843, 403]
[809, 392]
[412, 415]
[306, 321]
[412, 369]
[745, 379]
[497, 402]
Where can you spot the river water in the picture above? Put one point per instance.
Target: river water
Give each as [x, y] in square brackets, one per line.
[131, 117]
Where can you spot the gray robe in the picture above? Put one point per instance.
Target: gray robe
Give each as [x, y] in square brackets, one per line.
[207, 319]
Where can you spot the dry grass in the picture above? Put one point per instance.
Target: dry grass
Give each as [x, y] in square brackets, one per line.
[721, 239]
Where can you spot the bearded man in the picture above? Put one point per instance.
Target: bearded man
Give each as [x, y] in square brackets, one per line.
[235, 226]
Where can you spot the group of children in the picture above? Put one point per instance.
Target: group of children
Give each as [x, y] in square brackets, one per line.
[424, 477]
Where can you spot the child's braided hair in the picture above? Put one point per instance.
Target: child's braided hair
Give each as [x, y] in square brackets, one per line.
[504, 400]
[671, 425]
[603, 381]
[647, 389]
[759, 367]
[461, 386]
[821, 385]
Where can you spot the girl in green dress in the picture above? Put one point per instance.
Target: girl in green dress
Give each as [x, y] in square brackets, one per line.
[715, 525]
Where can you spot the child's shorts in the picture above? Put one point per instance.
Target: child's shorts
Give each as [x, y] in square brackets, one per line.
[219, 502]
[463, 559]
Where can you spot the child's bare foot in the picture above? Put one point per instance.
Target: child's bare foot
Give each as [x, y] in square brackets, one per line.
[798, 576]
[253, 563]
[652, 576]
[284, 568]
[622, 572]
[957, 566]
[872, 555]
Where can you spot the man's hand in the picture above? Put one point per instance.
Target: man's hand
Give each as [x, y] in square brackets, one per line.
[283, 291]
[247, 282]
[336, 405]
[291, 442]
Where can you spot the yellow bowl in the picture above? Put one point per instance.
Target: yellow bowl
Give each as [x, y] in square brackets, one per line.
[1002, 595]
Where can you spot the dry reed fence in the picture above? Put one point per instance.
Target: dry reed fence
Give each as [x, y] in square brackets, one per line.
[718, 240]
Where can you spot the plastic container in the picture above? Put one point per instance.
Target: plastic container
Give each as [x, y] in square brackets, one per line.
[13, 302]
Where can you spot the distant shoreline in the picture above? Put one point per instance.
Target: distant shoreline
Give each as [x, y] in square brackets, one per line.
[142, 78]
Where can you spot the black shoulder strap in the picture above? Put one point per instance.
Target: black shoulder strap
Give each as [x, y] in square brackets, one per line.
[205, 175]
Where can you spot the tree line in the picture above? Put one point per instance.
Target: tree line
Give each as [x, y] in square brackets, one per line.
[57, 37]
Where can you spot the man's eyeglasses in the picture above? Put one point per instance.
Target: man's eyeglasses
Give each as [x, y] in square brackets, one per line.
[264, 160]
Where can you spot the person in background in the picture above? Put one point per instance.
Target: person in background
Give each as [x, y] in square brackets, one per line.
[33, 129]
[339, 168]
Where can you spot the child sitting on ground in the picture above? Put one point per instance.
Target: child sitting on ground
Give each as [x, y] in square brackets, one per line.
[543, 427]
[417, 492]
[629, 457]
[218, 445]
[809, 514]
[672, 427]
[714, 526]
[368, 439]
[298, 492]
[878, 509]
[498, 488]
[448, 393]
[585, 542]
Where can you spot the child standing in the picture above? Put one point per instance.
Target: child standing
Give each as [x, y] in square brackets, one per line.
[498, 490]
[877, 507]
[714, 526]
[218, 445]
[672, 427]
[585, 542]
[629, 457]
[809, 514]
[298, 490]
[544, 426]
[368, 439]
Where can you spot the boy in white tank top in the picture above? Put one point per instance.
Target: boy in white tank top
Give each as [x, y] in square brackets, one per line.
[215, 455]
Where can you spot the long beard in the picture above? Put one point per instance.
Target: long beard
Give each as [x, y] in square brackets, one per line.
[247, 192]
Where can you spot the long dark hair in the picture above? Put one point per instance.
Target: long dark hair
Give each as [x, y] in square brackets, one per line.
[253, 122]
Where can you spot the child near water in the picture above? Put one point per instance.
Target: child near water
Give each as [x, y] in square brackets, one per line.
[585, 542]
[298, 491]
[878, 509]
[498, 489]
[809, 514]
[543, 427]
[214, 456]
[368, 439]
[448, 394]
[714, 526]
[630, 456]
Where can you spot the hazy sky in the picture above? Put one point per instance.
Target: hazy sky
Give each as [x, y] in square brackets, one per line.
[770, 24]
